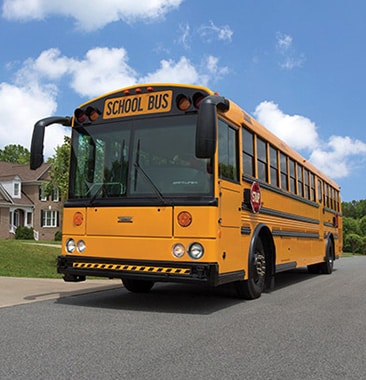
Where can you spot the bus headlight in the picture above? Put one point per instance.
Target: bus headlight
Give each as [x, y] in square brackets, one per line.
[81, 246]
[178, 250]
[70, 246]
[195, 251]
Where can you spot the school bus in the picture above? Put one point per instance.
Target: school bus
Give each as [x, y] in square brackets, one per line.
[175, 183]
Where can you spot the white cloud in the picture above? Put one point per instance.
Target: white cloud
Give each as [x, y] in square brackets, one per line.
[284, 41]
[185, 35]
[297, 131]
[212, 32]
[337, 158]
[289, 58]
[89, 14]
[182, 71]
[20, 108]
[102, 70]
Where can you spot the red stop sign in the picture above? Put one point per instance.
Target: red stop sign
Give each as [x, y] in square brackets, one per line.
[255, 197]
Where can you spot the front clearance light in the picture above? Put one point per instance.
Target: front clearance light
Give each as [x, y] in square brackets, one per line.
[81, 246]
[70, 246]
[195, 251]
[178, 250]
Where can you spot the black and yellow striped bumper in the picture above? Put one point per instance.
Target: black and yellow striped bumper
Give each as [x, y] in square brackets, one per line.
[76, 268]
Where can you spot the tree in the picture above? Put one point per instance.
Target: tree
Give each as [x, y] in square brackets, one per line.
[59, 171]
[351, 225]
[362, 225]
[353, 243]
[15, 153]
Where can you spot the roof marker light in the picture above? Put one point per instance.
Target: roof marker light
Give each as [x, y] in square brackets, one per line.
[80, 116]
[92, 113]
[183, 102]
[197, 99]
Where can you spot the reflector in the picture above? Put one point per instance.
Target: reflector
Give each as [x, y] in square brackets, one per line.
[78, 218]
[184, 219]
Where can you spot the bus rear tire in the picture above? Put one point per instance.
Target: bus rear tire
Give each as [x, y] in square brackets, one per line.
[137, 286]
[327, 266]
[258, 271]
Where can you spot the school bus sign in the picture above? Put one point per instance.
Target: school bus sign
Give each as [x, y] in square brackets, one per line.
[138, 104]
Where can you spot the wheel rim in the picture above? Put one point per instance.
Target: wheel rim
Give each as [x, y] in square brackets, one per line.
[259, 266]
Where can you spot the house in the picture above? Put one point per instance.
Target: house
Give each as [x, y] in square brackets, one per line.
[23, 201]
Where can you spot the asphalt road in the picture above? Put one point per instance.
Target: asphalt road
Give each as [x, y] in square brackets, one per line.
[308, 327]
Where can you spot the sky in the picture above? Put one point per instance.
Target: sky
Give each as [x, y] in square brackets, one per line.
[297, 66]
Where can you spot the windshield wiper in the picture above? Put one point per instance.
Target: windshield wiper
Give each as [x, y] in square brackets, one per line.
[150, 182]
[94, 196]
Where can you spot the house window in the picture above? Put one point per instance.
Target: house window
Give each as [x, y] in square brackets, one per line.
[29, 218]
[43, 193]
[49, 218]
[56, 194]
[16, 189]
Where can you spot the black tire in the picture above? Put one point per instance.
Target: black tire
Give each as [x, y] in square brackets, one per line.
[327, 266]
[137, 286]
[258, 272]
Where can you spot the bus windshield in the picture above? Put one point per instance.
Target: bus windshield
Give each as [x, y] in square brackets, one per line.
[147, 158]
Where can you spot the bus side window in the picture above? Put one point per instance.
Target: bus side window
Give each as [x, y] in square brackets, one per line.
[228, 152]
[292, 177]
[320, 192]
[312, 187]
[306, 181]
[283, 165]
[274, 166]
[300, 181]
[262, 160]
[248, 153]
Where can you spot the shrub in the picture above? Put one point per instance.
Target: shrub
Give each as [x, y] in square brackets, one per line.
[58, 236]
[24, 233]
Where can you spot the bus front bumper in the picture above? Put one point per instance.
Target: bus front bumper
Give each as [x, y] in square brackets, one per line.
[76, 268]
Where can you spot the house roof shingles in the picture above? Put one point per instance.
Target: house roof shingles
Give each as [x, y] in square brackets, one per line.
[9, 170]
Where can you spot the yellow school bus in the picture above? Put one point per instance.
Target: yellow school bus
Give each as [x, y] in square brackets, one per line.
[174, 183]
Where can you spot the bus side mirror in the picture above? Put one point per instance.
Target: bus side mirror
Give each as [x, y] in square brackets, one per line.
[206, 129]
[36, 153]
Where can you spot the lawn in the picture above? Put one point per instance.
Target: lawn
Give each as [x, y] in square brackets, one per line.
[20, 258]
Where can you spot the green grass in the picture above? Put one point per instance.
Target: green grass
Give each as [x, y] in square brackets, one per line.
[19, 258]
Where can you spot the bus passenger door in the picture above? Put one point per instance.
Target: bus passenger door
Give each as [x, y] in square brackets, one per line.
[230, 199]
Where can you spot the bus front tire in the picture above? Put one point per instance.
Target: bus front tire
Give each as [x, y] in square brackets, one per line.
[137, 286]
[258, 272]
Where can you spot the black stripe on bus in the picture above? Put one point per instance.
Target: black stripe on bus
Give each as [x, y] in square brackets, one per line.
[295, 234]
